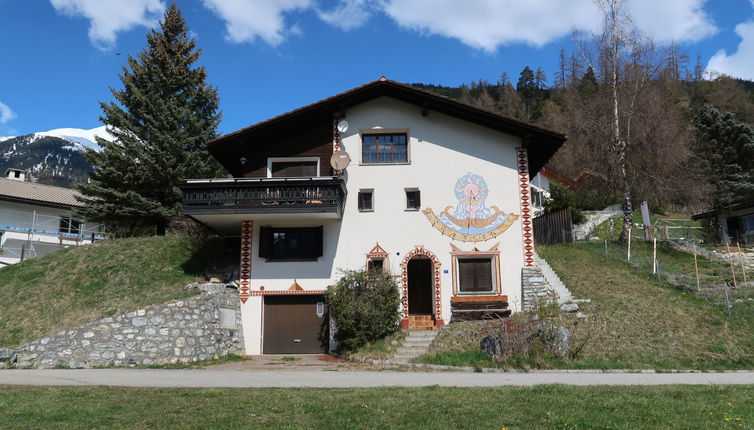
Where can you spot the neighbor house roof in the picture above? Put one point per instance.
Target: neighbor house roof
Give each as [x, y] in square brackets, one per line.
[33, 193]
[540, 142]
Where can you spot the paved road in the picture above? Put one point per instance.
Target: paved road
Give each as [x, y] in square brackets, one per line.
[341, 379]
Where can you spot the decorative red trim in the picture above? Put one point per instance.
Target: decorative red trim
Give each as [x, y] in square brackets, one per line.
[526, 224]
[247, 230]
[404, 281]
[286, 292]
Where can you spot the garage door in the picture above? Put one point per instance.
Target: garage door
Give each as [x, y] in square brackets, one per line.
[295, 324]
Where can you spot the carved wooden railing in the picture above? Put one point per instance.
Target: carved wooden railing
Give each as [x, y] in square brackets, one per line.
[273, 195]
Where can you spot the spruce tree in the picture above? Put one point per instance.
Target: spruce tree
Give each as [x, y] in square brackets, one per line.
[724, 149]
[161, 121]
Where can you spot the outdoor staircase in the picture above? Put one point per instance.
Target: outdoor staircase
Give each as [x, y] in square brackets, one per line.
[415, 344]
[421, 322]
[564, 296]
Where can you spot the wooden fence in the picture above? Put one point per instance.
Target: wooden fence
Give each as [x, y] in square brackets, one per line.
[555, 227]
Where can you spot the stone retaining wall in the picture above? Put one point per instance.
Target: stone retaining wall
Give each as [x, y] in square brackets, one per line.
[198, 328]
[534, 288]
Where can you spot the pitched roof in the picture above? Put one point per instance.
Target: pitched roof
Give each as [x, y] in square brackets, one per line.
[541, 142]
[33, 193]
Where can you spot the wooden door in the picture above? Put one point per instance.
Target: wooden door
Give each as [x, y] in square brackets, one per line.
[293, 326]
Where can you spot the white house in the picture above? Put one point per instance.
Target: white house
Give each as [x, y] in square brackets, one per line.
[540, 187]
[437, 192]
[35, 219]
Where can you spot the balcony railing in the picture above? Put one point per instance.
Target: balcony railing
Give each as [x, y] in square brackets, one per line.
[266, 195]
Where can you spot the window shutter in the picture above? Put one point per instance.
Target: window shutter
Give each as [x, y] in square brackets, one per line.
[318, 241]
[483, 272]
[265, 242]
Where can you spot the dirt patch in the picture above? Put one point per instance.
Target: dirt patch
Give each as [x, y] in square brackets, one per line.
[297, 362]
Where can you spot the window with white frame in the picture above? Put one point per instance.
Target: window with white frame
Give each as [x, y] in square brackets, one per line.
[292, 167]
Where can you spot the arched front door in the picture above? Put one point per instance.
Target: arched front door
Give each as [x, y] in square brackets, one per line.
[419, 277]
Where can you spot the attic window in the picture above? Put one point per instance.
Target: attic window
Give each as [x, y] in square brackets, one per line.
[17, 174]
[292, 167]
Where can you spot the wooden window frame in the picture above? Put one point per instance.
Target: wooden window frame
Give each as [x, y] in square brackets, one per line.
[359, 201]
[418, 198]
[493, 253]
[386, 132]
[271, 160]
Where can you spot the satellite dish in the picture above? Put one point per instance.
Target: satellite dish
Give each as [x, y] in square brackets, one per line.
[340, 160]
[343, 126]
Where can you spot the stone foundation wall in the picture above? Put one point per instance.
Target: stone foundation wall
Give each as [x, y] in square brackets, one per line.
[197, 328]
[534, 288]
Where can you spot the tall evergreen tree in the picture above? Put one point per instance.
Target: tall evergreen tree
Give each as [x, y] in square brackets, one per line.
[724, 149]
[161, 121]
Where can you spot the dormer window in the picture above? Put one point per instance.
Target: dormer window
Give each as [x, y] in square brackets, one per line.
[384, 148]
[292, 167]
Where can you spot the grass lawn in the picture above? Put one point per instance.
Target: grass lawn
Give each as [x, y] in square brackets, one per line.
[80, 284]
[541, 407]
[633, 321]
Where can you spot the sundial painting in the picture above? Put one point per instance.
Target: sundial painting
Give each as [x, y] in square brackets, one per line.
[471, 220]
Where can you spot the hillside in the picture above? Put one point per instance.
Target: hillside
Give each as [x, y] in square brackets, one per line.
[80, 284]
[633, 321]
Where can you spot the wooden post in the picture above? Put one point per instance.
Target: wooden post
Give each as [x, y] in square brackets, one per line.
[741, 259]
[696, 266]
[732, 270]
[628, 254]
[667, 233]
[654, 255]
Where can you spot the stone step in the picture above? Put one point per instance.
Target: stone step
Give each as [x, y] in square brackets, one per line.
[421, 334]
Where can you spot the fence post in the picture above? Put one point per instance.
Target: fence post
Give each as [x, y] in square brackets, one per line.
[696, 267]
[732, 270]
[628, 252]
[741, 259]
[654, 255]
[606, 255]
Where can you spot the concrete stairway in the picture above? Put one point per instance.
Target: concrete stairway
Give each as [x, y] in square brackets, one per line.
[564, 296]
[415, 344]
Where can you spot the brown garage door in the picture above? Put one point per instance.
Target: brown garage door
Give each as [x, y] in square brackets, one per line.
[292, 326]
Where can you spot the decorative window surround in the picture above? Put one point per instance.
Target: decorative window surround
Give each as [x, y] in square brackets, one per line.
[493, 253]
[378, 253]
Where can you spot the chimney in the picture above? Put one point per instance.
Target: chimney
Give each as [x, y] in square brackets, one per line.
[15, 174]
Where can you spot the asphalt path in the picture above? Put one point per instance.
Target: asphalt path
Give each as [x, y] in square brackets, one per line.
[196, 378]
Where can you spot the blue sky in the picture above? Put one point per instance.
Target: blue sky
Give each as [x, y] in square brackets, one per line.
[59, 57]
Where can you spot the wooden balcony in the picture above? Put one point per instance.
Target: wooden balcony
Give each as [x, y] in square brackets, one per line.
[264, 196]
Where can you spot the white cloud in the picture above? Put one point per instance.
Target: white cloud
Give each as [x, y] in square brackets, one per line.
[488, 24]
[245, 20]
[6, 114]
[107, 18]
[348, 14]
[673, 20]
[740, 63]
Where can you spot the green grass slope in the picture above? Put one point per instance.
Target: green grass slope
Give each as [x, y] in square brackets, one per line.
[636, 321]
[633, 321]
[80, 284]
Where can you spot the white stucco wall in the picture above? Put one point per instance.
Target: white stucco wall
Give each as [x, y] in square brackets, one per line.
[441, 149]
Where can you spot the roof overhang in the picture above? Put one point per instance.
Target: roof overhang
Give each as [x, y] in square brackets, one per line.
[541, 143]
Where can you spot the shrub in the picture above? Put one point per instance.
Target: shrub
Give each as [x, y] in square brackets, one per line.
[364, 306]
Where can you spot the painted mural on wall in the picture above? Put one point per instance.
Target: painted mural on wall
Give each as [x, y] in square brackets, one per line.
[471, 220]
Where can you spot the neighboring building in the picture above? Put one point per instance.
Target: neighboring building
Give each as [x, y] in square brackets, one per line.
[591, 182]
[736, 223]
[540, 187]
[437, 193]
[35, 219]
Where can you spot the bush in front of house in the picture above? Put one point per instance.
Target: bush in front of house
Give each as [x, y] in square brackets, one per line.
[364, 306]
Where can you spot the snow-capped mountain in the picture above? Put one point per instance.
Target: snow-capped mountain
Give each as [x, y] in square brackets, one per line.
[53, 157]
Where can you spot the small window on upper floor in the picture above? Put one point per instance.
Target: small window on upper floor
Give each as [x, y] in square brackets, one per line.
[413, 199]
[384, 148]
[292, 167]
[366, 200]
